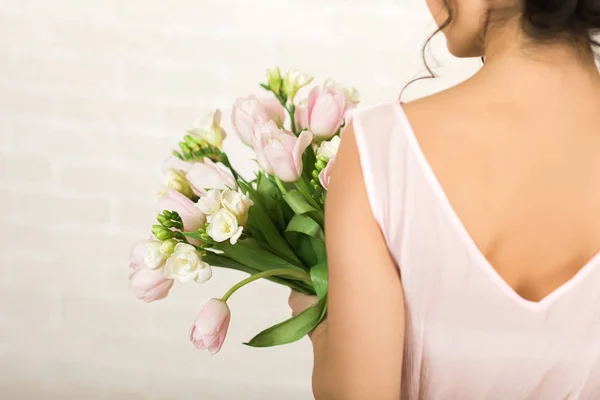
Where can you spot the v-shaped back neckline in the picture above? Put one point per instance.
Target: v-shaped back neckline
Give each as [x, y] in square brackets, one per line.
[469, 242]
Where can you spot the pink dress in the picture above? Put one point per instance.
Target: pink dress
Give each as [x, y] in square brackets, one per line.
[469, 335]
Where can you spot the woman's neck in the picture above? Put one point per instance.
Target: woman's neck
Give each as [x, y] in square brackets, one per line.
[551, 68]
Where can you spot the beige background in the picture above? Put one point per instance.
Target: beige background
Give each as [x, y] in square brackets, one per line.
[93, 95]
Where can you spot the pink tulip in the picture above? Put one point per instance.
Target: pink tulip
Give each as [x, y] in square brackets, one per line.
[148, 285]
[279, 152]
[250, 111]
[192, 217]
[299, 117]
[203, 175]
[210, 328]
[325, 111]
[325, 174]
[274, 109]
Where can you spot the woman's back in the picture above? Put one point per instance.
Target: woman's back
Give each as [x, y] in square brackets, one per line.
[520, 167]
[501, 301]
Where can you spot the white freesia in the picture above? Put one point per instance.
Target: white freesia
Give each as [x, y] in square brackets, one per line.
[352, 94]
[295, 80]
[238, 203]
[329, 149]
[154, 257]
[224, 226]
[186, 265]
[208, 129]
[211, 203]
[176, 180]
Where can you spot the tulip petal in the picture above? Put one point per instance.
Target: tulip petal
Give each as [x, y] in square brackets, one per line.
[304, 140]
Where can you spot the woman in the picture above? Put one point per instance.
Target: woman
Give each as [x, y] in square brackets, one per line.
[464, 228]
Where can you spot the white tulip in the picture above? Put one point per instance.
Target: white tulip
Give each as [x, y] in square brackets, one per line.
[238, 203]
[186, 265]
[176, 180]
[211, 203]
[351, 93]
[208, 129]
[295, 80]
[329, 149]
[154, 257]
[224, 226]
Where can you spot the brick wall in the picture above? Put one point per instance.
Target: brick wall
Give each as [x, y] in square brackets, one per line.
[93, 95]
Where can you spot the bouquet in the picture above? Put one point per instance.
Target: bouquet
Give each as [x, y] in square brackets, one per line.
[270, 227]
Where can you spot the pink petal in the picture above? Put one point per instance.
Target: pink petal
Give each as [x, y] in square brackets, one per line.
[304, 140]
[281, 162]
[327, 116]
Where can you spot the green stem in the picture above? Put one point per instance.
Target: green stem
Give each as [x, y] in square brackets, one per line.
[274, 272]
[280, 185]
[305, 190]
[235, 174]
[292, 111]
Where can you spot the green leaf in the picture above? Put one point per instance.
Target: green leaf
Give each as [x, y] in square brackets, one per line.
[308, 160]
[291, 330]
[297, 202]
[220, 261]
[253, 254]
[259, 218]
[272, 199]
[306, 237]
[318, 275]
[305, 225]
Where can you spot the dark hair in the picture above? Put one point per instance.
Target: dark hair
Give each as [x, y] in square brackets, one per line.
[543, 20]
[571, 19]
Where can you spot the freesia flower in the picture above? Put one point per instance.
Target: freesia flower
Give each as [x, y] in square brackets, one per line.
[192, 217]
[210, 327]
[208, 129]
[224, 226]
[186, 265]
[148, 285]
[325, 112]
[295, 80]
[153, 256]
[176, 180]
[329, 149]
[250, 111]
[210, 204]
[279, 152]
[238, 203]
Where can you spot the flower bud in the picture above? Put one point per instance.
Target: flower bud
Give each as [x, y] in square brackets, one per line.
[176, 180]
[294, 81]
[168, 246]
[161, 232]
[274, 79]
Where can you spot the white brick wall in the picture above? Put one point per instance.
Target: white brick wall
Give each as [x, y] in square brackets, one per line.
[93, 95]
